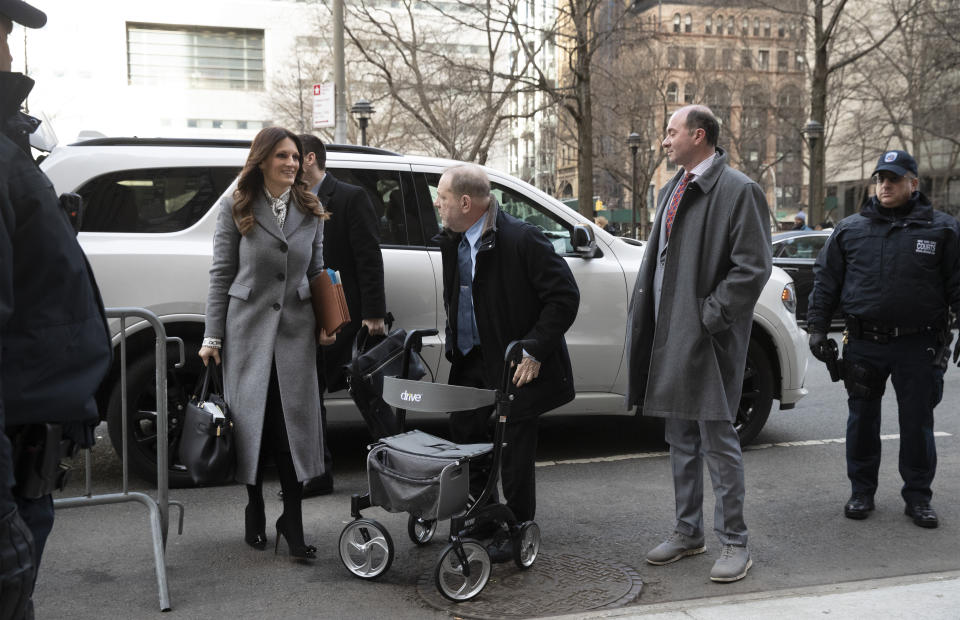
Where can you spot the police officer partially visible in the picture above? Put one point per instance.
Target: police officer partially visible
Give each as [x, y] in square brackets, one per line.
[54, 343]
[894, 271]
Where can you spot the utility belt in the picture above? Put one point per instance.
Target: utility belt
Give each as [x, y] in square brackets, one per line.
[38, 453]
[863, 329]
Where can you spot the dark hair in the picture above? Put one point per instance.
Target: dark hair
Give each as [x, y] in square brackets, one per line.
[702, 118]
[313, 144]
[250, 182]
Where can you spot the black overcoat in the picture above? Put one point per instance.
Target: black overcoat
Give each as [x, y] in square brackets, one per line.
[351, 246]
[53, 335]
[522, 290]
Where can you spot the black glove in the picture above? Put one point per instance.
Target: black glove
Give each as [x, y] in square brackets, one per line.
[819, 346]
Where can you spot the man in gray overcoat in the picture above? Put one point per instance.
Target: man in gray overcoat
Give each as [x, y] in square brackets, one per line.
[706, 262]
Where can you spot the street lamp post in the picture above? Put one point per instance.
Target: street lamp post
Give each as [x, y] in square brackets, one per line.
[633, 141]
[813, 131]
[362, 110]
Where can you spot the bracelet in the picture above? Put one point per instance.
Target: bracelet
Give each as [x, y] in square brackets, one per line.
[213, 343]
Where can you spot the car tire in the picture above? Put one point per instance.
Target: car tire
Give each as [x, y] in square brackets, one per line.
[141, 415]
[756, 400]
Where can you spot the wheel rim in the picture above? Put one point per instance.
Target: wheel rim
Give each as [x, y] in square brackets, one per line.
[748, 398]
[528, 545]
[365, 549]
[142, 422]
[422, 531]
[450, 577]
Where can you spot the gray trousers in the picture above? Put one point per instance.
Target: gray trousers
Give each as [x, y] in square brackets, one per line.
[716, 441]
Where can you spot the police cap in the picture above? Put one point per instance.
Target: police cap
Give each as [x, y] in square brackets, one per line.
[897, 162]
[23, 14]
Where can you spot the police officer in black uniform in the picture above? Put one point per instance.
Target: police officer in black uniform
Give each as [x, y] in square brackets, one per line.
[894, 270]
[54, 342]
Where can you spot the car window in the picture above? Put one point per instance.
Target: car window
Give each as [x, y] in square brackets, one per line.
[799, 247]
[398, 220]
[153, 200]
[523, 208]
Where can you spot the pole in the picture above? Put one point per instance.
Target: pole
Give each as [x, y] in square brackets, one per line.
[363, 132]
[340, 79]
[633, 195]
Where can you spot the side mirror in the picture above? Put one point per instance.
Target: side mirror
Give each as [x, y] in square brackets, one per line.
[584, 242]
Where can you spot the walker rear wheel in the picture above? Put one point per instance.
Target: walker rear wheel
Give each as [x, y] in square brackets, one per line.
[463, 570]
[421, 531]
[366, 548]
[527, 546]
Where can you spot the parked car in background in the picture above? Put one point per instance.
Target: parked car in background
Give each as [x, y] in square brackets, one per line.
[148, 232]
[795, 251]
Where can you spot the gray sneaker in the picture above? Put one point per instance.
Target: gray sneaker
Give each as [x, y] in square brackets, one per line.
[733, 564]
[676, 547]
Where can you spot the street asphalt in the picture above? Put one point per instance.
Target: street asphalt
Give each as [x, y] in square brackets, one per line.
[604, 493]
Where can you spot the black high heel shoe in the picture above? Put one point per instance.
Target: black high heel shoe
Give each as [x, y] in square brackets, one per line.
[298, 550]
[255, 521]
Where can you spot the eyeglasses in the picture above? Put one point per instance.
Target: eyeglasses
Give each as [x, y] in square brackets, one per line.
[880, 177]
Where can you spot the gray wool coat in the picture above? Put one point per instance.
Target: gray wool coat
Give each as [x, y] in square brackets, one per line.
[259, 304]
[688, 362]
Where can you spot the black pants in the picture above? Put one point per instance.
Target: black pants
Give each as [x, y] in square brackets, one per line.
[908, 361]
[519, 455]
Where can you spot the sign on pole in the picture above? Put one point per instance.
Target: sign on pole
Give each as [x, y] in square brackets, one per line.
[323, 105]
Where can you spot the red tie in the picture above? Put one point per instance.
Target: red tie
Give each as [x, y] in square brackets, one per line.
[677, 195]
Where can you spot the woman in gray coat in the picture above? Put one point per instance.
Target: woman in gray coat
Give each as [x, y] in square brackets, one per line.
[266, 248]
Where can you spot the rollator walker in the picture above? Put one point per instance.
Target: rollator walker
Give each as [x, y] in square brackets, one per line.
[429, 478]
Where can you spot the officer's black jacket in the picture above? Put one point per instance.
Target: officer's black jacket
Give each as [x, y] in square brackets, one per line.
[54, 343]
[898, 272]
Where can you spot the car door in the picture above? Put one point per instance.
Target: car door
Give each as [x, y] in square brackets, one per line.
[596, 339]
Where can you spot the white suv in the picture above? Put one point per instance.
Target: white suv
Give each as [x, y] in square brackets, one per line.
[148, 229]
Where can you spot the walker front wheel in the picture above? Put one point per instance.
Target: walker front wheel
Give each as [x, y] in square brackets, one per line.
[421, 531]
[463, 570]
[366, 548]
[527, 546]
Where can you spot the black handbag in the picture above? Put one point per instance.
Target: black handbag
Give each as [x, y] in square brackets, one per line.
[373, 358]
[207, 439]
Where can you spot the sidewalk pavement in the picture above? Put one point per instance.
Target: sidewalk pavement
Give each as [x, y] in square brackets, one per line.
[933, 596]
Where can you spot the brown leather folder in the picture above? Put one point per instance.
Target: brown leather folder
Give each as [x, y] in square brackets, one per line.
[329, 304]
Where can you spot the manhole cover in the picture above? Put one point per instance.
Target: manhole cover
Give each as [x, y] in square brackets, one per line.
[556, 584]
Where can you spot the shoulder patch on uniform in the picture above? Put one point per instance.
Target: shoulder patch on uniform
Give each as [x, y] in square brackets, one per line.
[925, 246]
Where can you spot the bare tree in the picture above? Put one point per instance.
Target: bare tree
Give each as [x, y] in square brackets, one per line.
[908, 95]
[448, 67]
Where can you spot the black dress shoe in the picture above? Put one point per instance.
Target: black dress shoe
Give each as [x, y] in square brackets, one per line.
[858, 506]
[922, 514]
[500, 549]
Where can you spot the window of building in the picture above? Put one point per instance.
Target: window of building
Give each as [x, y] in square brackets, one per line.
[745, 59]
[728, 59]
[673, 57]
[719, 24]
[781, 30]
[688, 23]
[676, 22]
[690, 58]
[766, 27]
[799, 63]
[194, 57]
[708, 25]
[689, 93]
[756, 26]
[709, 58]
[763, 60]
[745, 26]
[672, 93]
[730, 25]
[783, 60]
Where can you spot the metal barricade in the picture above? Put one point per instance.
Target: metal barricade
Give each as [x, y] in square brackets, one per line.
[159, 508]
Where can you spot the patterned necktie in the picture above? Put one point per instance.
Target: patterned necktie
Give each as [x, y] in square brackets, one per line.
[465, 320]
[677, 195]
